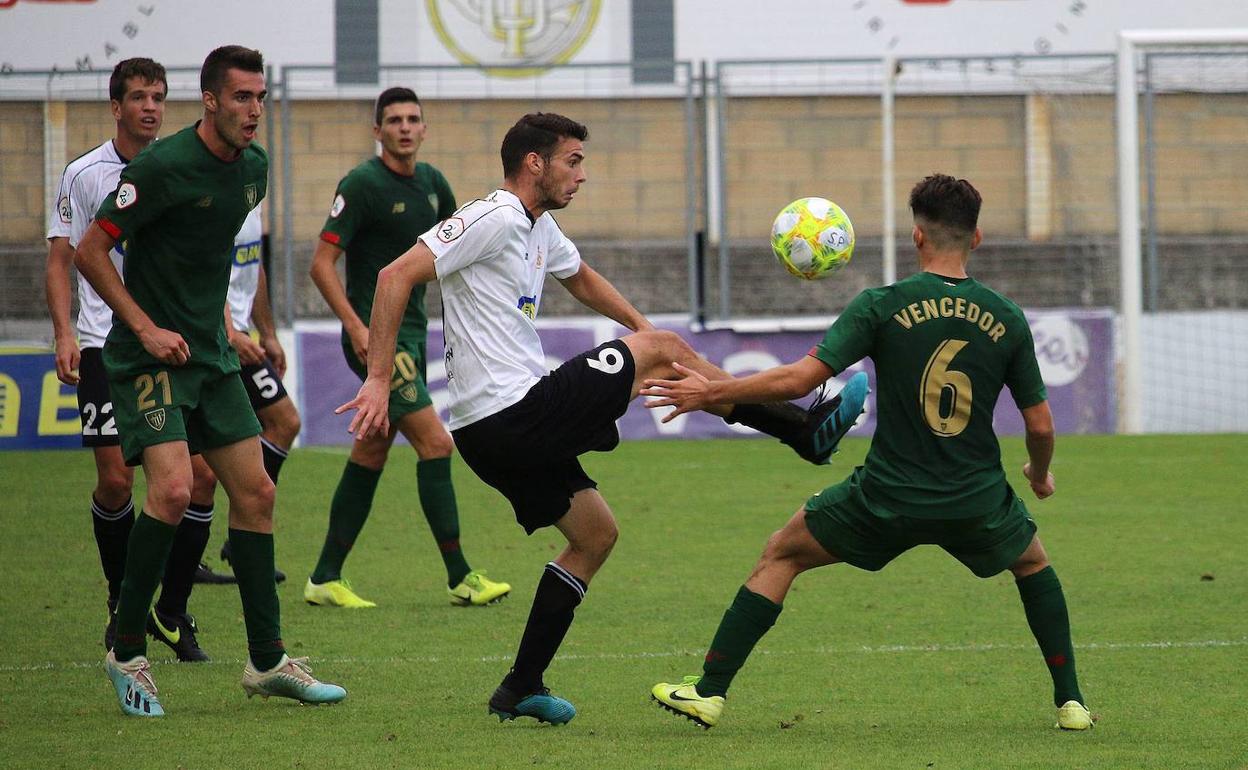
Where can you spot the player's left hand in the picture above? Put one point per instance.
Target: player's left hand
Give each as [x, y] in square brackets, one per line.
[688, 394]
[373, 405]
[277, 356]
[249, 353]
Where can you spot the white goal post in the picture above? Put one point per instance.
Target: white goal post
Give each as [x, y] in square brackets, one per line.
[1130, 42]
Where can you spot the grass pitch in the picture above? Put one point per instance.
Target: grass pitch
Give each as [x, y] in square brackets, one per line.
[919, 666]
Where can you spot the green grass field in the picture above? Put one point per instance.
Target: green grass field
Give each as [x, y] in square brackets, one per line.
[920, 666]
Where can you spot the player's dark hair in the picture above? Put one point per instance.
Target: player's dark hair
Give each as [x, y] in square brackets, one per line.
[150, 72]
[537, 132]
[224, 59]
[391, 96]
[947, 209]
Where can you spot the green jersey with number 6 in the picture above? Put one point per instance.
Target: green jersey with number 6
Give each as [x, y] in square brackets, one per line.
[943, 349]
[176, 209]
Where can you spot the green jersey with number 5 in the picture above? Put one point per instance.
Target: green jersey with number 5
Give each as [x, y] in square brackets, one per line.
[943, 349]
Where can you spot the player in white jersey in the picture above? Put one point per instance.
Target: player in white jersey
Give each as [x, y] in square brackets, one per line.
[264, 362]
[517, 426]
[137, 90]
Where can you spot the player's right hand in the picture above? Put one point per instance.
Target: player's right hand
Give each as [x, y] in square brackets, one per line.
[67, 358]
[359, 342]
[166, 346]
[373, 405]
[1044, 488]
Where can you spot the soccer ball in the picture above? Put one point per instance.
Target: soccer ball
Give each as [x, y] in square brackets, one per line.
[812, 238]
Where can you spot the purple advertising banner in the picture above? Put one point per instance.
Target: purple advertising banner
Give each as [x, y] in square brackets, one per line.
[1074, 348]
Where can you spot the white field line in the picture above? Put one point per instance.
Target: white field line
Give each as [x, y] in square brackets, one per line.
[886, 649]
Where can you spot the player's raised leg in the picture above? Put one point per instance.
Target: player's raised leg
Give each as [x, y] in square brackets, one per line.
[753, 612]
[269, 670]
[466, 586]
[167, 467]
[591, 531]
[813, 434]
[1045, 605]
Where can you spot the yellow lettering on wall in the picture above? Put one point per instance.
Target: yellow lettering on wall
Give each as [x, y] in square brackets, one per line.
[51, 403]
[10, 406]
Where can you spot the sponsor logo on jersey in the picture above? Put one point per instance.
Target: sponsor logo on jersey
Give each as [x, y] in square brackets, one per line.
[398, 208]
[528, 306]
[247, 254]
[537, 32]
[539, 261]
[204, 202]
[251, 195]
[65, 211]
[155, 418]
[340, 203]
[450, 229]
[126, 195]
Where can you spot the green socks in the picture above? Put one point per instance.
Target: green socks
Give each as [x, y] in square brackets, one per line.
[746, 621]
[146, 553]
[252, 560]
[437, 500]
[353, 499]
[1045, 605]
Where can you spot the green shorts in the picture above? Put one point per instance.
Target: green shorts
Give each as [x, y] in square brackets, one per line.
[867, 536]
[408, 392]
[201, 406]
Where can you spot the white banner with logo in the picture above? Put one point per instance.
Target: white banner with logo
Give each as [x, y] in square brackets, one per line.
[95, 34]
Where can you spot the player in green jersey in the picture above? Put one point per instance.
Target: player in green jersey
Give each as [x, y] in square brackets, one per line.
[173, 376]
[944, 345]
[379, 210]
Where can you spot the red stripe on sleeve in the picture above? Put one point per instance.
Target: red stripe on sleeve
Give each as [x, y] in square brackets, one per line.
[113, 230]
[329, 237]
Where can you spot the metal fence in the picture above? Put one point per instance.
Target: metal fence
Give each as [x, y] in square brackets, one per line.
[706, 158]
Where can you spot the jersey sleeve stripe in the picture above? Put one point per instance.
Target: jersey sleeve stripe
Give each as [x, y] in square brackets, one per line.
[113, 230]
[329, 237]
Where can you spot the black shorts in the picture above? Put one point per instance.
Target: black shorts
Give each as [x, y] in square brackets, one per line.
[95, 405]
[264, 387]
[528, 451]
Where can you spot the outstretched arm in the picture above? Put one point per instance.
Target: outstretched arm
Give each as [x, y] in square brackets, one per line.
[598, 294]
[1038, 421]
[693, 391]
[394, 287]
[92, 261]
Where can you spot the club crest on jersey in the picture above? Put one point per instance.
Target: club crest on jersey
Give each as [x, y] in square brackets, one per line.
[398, 208]
[251, 195]
[450, 229]
[528, 306]
[340, 203]
[155, 418]
[126, 195]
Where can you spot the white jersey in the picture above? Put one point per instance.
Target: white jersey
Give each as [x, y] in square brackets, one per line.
[245, 270]
[491, 260]
[86, 182]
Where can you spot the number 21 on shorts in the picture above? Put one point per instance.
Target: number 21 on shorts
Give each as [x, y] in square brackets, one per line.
[149, 388]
